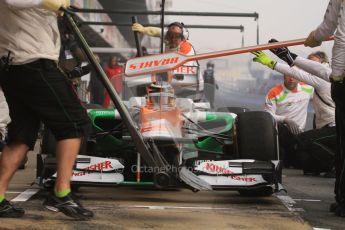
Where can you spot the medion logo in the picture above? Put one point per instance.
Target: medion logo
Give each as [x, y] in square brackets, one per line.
[154, 63]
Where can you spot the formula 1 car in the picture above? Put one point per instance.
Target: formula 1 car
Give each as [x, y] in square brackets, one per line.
[168, 142]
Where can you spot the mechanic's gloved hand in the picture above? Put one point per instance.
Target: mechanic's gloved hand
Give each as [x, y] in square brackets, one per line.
[292, 126]
[55, 5]
[79, 71]
[311, 41]
[264, 59]
[151, 31]
[283, 53]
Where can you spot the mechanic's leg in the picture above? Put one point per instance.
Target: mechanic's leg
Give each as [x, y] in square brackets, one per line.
[340, 191]
[338, 95]
[212, 96]
[10, 159]
[66, 153]
[316, 150]
[287, 142]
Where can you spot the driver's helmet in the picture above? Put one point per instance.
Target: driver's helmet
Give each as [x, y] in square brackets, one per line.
[160, 95]
[210, 65]
[158, 78]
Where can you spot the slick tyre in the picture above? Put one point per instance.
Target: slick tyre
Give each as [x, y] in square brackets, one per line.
[255, 136]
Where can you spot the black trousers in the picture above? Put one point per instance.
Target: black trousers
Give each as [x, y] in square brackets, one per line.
[287, 145]
[210, 90]
[313, 150]
[338, 95]
[38, 91]
[316, 150]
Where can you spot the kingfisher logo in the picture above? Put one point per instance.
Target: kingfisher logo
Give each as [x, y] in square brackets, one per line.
[95, 167]
[214, 168]
[154, 63]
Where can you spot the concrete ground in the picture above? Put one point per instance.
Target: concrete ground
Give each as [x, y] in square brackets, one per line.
[146, 208]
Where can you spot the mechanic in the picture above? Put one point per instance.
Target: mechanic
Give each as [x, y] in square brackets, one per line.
[114, 72]
[288, 104]
[210, 83]
[36, 90]
[176, 38]
[315, 147]
[334, 22]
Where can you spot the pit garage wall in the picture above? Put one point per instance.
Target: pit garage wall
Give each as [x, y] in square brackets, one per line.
[140, 5]
[98, 35]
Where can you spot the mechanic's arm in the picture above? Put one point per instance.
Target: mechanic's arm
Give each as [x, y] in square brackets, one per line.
[285, 69]
[330, 22]
[148, 30]
[315, 68]
[270, 107]
[53, 5]
[338, 57]
[299, 75]
[327, 27]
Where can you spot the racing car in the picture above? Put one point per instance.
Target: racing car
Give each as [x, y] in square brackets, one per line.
[170, 142]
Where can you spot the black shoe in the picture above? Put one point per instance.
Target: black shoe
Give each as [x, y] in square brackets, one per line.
[68, 206]
[8, 210]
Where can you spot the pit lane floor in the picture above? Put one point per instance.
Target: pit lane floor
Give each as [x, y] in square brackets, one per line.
[134, 208]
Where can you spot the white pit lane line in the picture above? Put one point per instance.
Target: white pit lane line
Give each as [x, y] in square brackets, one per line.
[13, 192]
[26, 195]
[307, 200]
[153, 207]
[289, 203]
[196, 208]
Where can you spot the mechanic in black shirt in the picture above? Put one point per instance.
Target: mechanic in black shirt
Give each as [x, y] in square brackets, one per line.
[210, 83]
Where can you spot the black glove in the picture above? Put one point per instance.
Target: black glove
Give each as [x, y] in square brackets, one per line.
[283, 53]
[79, 71]
[292, 126]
